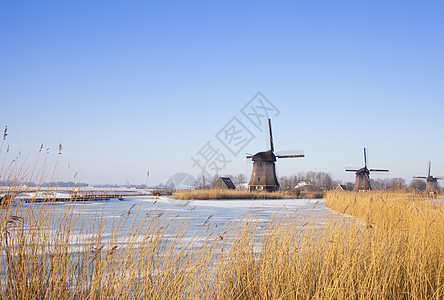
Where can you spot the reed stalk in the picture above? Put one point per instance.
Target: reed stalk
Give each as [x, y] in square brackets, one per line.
[206, 194]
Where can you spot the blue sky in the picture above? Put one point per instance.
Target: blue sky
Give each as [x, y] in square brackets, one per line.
[128, 87]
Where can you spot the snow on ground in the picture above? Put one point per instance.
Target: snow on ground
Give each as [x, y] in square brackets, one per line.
[196, 216]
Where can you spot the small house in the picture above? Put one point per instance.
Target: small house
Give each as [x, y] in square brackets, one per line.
[224, 183]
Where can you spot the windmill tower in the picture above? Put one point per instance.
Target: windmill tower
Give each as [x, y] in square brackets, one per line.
[362, 182]
[263, 176]
[432, 185]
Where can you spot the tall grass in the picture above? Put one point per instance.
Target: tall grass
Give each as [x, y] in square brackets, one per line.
[206, 194]
[404, 240]
[295, 258]
[391, 249]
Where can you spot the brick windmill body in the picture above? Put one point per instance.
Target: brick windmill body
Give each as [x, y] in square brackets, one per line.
[362, 182]
[263, 177]
[432, 185]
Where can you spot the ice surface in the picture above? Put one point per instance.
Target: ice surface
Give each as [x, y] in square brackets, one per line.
[197, 217]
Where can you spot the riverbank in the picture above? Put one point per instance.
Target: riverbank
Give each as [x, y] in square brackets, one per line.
[207, 194]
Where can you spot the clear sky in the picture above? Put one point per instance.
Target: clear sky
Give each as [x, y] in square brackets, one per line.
[131, 86]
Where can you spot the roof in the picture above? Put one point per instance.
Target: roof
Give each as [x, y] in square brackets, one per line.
[264, 156]
[225, 181]
[341, 187]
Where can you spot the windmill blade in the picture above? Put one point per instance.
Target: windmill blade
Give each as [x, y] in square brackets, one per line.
[419, 177]
[378, 170]
[430, 167]
[271, 136]
[439, 178]
[351, 170]
[365, 157]
[290, 154]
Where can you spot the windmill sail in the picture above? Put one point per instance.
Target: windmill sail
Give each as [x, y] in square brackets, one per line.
[365, 158]
[271, 135]
[290, 154]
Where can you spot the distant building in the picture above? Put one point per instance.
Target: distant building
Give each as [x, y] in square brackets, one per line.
[341, 187]
[303, 185]
[224, 183]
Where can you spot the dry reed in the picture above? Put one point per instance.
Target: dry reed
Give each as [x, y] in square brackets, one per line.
[207, 194]
[295, 258]
[393, 250]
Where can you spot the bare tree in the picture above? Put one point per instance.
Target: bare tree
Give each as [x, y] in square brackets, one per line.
[320, 181]
[396, 184]
[388, 184]
[239, 180]
[377, 184]
[349, 186]
[205, 182]
[417, 185]
[287, 183]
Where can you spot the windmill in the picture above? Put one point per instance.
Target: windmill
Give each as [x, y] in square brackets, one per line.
[263, 176]
[362, 182]
[432, 181]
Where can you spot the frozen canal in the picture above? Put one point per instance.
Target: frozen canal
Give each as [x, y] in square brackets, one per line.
[195, 217]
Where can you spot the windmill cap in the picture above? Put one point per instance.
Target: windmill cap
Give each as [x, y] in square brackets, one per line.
[264, 156]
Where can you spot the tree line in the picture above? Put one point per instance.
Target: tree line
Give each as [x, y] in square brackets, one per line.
[316, 181]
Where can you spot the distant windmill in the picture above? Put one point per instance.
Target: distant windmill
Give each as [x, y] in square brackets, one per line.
[432, 181]
[363, 175]
[263, 176]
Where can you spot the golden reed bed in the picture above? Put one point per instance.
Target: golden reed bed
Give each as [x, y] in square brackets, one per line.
[393, 250]
[399, 243]
[206, 194]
